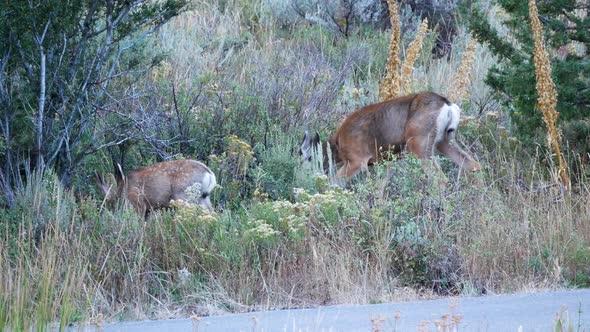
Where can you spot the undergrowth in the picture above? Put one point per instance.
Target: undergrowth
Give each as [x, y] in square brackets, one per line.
[74, 260]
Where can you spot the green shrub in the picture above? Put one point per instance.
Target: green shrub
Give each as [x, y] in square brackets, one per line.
[233, 168]
[579, 266]
[278, 166]
[513, 75]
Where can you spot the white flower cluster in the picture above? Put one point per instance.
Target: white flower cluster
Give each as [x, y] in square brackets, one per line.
[194, 193]
[184, 276]
[260, 229]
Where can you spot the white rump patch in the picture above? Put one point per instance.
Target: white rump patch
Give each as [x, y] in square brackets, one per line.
[447, 120]
[455, 116]
[209, 183]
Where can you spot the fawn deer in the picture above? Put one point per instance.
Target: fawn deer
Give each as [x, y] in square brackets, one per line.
[153, 187]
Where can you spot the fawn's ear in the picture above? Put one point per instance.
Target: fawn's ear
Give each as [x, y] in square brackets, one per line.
[119, 175]
[101, 184]
[104, 186]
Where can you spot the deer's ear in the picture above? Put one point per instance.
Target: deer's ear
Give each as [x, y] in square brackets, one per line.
[305, 144]
[105, 187]
[100, 182]
[119, 175]
[316, 138]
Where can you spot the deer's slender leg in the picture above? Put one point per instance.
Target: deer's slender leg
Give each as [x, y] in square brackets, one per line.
[458, 156]
[349, 169]
[423, 148]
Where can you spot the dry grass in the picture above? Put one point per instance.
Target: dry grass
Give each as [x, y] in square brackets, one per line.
[44, 282]
[325, 249]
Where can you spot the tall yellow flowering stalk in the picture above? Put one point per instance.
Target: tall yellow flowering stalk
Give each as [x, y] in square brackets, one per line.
[411, 56]
[547, 94]
[389, 87]
[460, 87]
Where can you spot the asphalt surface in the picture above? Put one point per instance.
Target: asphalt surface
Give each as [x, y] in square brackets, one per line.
[516, 312]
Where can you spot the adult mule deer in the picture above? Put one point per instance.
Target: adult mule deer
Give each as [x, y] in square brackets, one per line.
[419, 122]
[153, 187]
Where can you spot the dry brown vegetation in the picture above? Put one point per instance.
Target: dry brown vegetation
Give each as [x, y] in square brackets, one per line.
[547, 100]
[390, 87]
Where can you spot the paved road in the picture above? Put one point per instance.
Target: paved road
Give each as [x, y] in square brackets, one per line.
[532, 312]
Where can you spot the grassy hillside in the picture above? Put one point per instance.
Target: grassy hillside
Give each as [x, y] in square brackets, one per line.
[241, 81]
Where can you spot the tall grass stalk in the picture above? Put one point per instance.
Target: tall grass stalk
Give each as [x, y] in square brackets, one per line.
[547, 94]
[390, 86]
[462, 81]
[411, 55]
